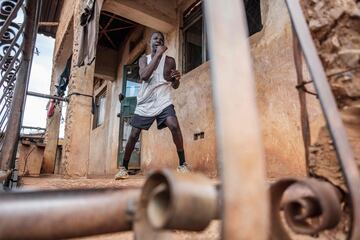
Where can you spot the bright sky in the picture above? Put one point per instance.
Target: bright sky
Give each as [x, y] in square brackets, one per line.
[40, 79]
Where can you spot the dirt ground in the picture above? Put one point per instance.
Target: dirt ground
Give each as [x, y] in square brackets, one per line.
[56, 182]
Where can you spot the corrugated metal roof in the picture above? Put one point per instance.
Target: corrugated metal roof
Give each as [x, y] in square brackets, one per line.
[50, 12]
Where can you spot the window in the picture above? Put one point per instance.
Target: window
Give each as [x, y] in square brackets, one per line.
[253, 16]
[194, 37]
[194, 32]
[99, 115]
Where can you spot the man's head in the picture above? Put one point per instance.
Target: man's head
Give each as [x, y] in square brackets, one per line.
[157, 39]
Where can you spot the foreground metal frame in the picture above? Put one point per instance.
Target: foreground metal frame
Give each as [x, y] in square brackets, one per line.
[243, 193]
[334, 122]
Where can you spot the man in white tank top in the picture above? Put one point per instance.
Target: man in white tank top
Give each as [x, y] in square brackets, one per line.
[158, 75]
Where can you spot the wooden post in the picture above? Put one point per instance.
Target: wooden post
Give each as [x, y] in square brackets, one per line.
[76, 150]
[240, 152]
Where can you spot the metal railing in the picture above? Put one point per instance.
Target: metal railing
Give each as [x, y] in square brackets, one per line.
[304, 200]
[11, 46]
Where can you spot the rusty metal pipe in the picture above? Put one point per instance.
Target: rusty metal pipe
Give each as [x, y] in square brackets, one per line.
[240, 155]
[66, 214]
[179, 201]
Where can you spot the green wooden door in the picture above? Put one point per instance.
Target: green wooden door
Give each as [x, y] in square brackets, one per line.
[130, 90]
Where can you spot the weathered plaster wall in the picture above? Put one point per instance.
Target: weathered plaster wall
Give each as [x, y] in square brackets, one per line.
[106, 63]
[62, 51]
[75, 155]
[277, 97]
[29, 159]
[99, 140]
[277, 101]
[65, 24]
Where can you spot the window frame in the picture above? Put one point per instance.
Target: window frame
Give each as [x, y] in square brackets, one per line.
[186, 25]
[101, 94]
[191, 20]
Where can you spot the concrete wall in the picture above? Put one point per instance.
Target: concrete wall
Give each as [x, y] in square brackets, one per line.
[29, 158]
[277, 97]
[106, 63]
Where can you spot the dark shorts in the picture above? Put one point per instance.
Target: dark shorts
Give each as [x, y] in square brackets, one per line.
[145, 123]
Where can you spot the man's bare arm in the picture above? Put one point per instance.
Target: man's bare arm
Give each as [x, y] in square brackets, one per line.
[170, 66]
[174, 74]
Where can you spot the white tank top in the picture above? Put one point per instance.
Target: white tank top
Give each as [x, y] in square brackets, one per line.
[155, 94]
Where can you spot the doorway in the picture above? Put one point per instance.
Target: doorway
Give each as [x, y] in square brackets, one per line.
[130, 89]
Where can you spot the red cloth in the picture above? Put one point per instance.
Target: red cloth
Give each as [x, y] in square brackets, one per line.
[51, 108]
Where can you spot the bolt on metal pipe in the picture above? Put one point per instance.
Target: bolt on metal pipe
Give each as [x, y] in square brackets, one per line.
[180, 201]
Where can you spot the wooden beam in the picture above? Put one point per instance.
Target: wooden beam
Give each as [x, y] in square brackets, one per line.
[118, 29]
[117, 17]
[109, 39]
[107, 25]
[143, 14]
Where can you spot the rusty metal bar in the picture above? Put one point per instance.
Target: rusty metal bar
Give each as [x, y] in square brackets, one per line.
[178, 201]
[13, 130]
[304, 116]
[11, 67]
[239, 146]
[41, 95]
[335, 125]
[10, 85]
[37, 128]
[13, 43]
[66, 214]
[3, 125]
[302, 200]
[48, 24]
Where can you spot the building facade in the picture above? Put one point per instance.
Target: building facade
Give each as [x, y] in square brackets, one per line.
[97, 122]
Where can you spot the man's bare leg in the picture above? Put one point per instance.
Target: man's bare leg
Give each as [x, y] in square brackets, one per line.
[134, 136]
[130, 145]
[173, 124]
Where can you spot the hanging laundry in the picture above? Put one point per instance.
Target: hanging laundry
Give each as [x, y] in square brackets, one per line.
[63, 80]
[88, 20]
[51, 108]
